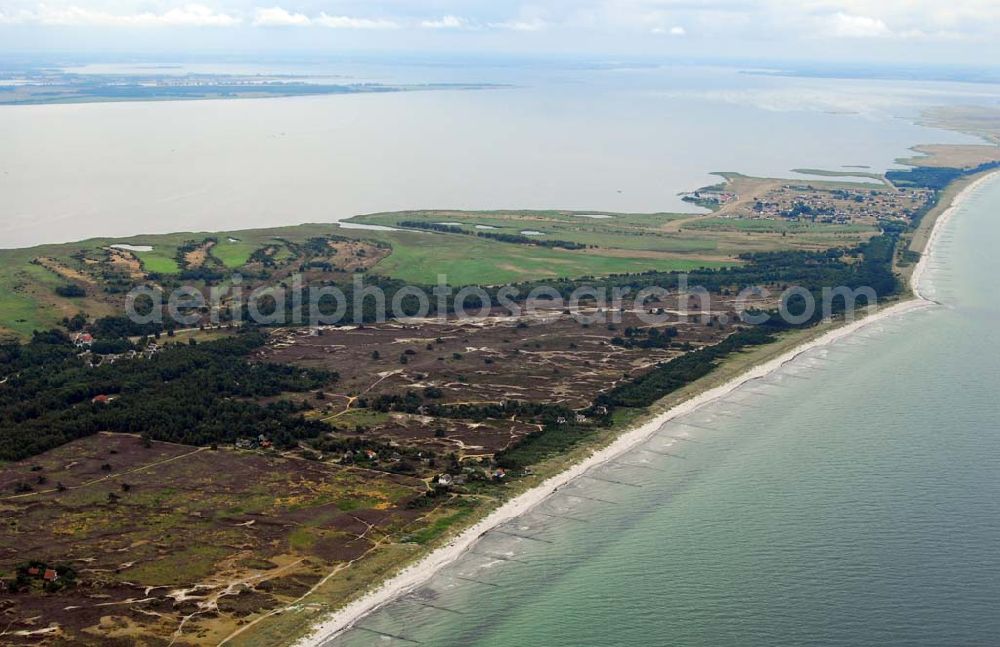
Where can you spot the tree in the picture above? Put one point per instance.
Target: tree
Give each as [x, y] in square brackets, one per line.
[71, 291]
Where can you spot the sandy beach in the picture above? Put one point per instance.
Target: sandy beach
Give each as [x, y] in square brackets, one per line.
[419, 572]
[945, 216]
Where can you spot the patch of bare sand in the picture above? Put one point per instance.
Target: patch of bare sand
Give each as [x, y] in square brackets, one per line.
[64, 271]
[126, 262]
[199, 256]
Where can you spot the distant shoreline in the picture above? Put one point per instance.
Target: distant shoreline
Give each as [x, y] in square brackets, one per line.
[74, 94]
[419, 572]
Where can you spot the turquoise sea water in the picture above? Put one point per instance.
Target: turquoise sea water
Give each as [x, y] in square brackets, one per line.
[851, 498]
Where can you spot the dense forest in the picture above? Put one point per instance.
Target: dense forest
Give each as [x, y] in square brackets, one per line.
[520, 239]
[681, 371]
[196, 394]
[933, 177]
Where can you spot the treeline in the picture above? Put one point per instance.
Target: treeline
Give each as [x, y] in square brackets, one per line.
[195, 394]
[71, 291]
[539, 445]
[933, 177]
[520, 239]
[432, 226]
[681, 371]
[412, 402]
[264, 256]
[203, 273]
[119, 326]
[517, 239]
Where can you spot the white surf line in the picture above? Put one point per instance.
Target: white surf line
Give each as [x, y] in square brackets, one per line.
[419, 573]
[935, 235]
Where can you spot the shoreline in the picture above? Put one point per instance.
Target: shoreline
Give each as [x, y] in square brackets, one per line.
[419, 572]
[939, 222]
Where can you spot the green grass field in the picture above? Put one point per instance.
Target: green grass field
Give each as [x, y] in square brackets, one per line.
[233, 252]
[777, 226]
[19, 312]
[419, 257]
[161, 260]
[27, 295]
[624, 242]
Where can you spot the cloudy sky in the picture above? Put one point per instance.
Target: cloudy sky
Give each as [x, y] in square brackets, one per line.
[914, 31]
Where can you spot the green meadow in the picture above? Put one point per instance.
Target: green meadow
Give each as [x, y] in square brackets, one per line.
[620, 243]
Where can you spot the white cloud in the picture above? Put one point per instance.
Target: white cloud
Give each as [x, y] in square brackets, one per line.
[676, 30]
[446, 22]
[278, 17]
[346, 22]
[775, 27]
[844, 25]
[191, 15]
[520, 25]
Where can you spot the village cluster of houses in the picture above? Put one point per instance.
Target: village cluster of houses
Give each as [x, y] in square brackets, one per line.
[840, 206]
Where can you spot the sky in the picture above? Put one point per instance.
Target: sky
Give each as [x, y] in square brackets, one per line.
[910, 31]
